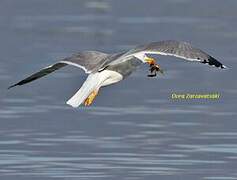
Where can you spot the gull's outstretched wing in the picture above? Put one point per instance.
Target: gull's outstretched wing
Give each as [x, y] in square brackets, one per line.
[175, 48]
[88, 60]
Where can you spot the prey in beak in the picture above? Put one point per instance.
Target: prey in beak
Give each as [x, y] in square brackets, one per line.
[154, 67]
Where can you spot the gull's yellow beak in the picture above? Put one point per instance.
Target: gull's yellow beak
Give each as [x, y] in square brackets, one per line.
[150, 60]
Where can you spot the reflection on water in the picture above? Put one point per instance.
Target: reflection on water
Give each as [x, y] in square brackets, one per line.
[134, 130]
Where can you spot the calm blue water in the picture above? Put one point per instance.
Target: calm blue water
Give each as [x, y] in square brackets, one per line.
[133, 130]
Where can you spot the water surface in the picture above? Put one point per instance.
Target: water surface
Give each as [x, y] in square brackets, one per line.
[134, 130]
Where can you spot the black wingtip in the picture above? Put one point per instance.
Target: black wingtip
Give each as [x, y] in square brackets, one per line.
[224, 67]
[213, 62]
[12, 86]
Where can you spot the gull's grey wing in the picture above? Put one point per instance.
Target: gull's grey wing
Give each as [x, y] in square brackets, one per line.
[178, 49]
[88, 60]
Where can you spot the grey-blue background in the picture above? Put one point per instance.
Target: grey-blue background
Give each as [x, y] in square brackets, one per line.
[133, 130]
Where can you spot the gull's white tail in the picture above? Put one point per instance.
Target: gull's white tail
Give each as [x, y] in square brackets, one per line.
[93, 82]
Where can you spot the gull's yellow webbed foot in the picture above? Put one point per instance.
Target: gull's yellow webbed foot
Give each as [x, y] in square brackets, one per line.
[90, 98]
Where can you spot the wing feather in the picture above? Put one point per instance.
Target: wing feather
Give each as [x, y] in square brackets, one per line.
[39, 74]
[88, 60]
[178, 49]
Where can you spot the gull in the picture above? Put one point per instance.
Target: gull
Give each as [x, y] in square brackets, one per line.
[106, 69]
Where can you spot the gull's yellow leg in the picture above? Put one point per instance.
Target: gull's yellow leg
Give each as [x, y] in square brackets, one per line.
[90, 98]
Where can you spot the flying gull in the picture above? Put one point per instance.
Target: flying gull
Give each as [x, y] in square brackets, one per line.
[105, 69]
